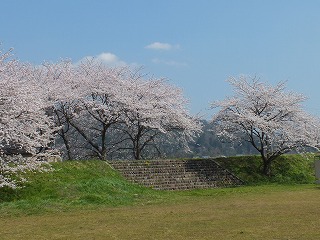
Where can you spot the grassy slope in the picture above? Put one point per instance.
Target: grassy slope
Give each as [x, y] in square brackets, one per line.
[88, 200]
[73, 184]
[287, 169]
[89, 184]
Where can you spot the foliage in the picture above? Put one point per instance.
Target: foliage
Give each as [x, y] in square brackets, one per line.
[268, 117]
[96, 111]
[115, 112]
[287, 169]
[25, 128]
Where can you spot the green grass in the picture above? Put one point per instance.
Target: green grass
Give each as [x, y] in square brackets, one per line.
[287, 169]
[255, 212]
[73, 184]
[89, 200]
[90, 184]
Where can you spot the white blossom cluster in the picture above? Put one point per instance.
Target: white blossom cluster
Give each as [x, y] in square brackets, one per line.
[268, 117]
[114, 110]
[25, 128]
[12, 169]
[89, 106]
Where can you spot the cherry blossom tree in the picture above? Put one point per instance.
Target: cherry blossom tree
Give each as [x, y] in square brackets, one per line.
[61, 83]
[101, 110]
[157, 112]
[25, 129]
[115, 110]
[268, 117]
[100, 105]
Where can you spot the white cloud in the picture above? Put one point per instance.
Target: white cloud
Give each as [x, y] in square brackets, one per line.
[107, 58]
[162, 46]
[169, 62]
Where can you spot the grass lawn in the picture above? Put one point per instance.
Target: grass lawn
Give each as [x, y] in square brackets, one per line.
[255, 212]
[89, 200]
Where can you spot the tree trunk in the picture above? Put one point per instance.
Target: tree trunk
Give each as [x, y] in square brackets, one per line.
[103, 142]
[66, 144]
[266, 168]
[136, 143]
[63, 132]
[137, 154]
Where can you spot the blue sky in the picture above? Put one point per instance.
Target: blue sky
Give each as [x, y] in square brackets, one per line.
[196, 44]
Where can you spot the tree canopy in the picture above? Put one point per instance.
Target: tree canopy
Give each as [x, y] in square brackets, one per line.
[268, 117]
[25, 128]
[84, 110]
[116, 112]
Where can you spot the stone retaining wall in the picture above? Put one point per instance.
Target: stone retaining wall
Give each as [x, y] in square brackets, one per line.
[176, 174]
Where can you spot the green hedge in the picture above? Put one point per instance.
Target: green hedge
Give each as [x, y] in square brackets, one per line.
[287, 169]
